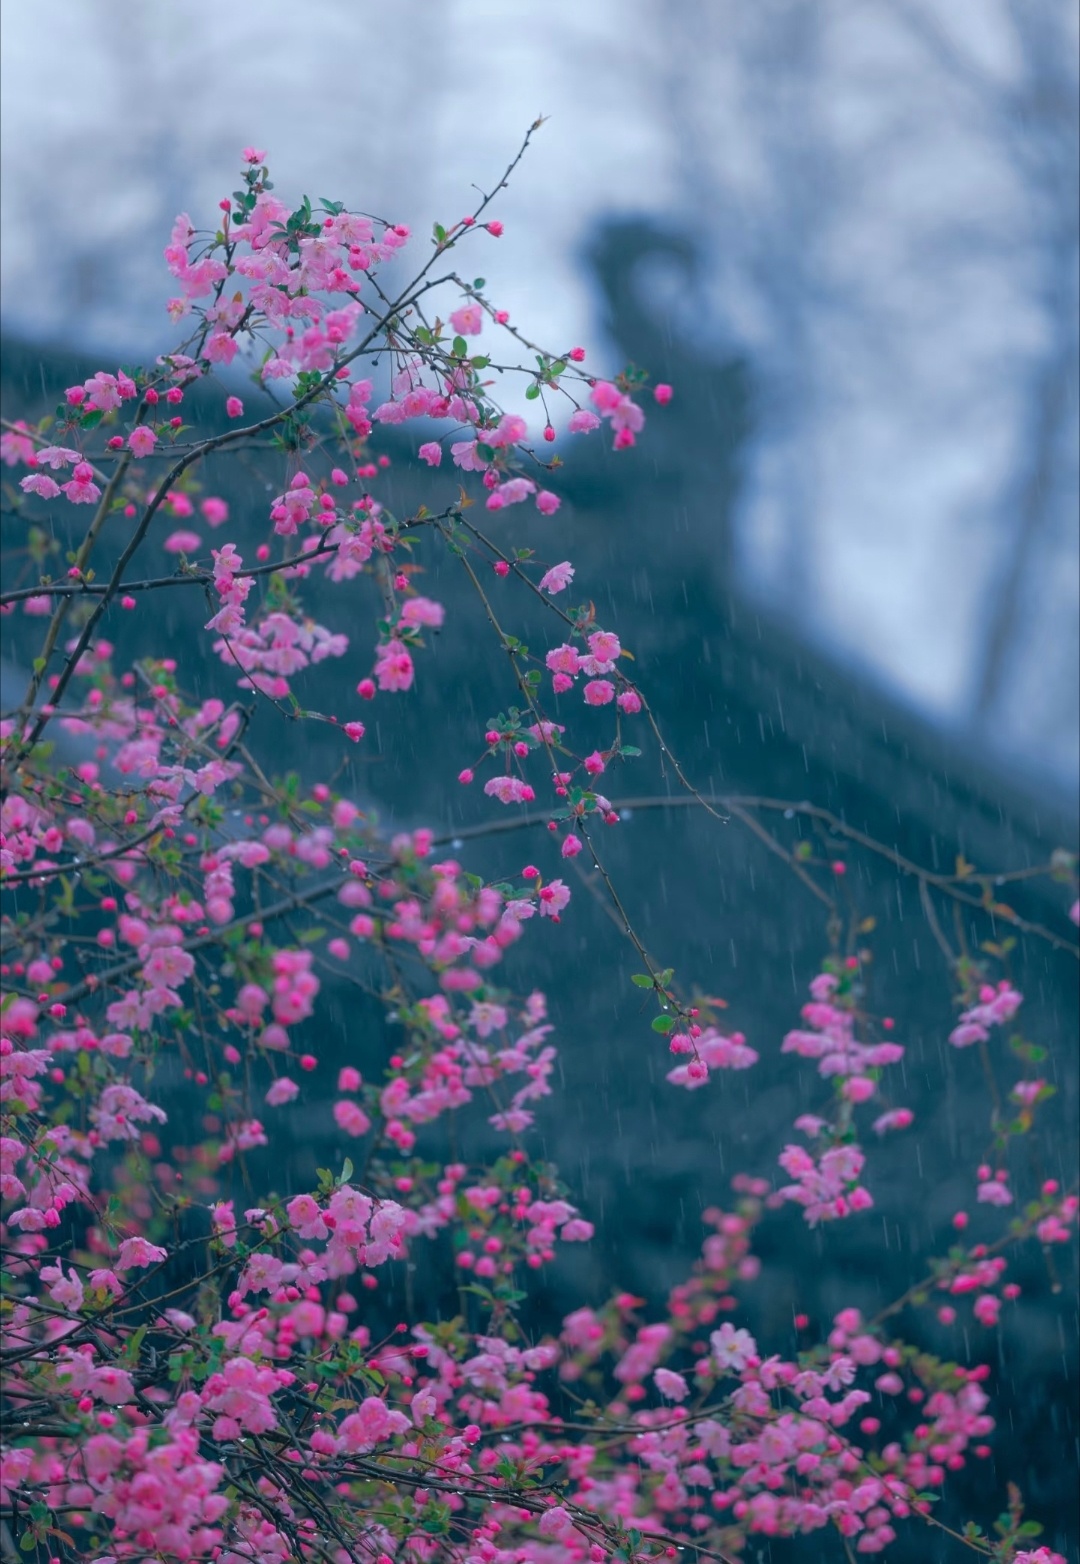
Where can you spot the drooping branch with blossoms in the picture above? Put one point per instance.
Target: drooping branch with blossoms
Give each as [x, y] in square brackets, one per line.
[193, 1367]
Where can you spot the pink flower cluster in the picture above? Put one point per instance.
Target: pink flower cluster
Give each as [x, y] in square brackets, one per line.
[171, 905]
[996, 1006]
[828, 1185]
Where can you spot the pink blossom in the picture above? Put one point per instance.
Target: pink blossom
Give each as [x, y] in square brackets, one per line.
[136, 1252]
[895, 1119]
[512, 492]
[465, 456]
[120, 1110]
[431, 452]
[554, 896]
[102, 392]
[604, 646]
[994, 1192]
[598, 692]
[487, 1018]
[576, 1230]
[65, 1291]
[422, 1406]
[234, 407]
[626, 417]
[351, 1118]
[1027, 1092]
[986, 1309]
[55, 456]
[510, 430]
[671, 1386]
[16, 445]
[182, 542]
[81, 489]
[221, 347]
[393, 666]
[306, 1217]
[606, 396]
[995, 1007]
[858, 1088]
[141, 440]
[111, 1385]
[563, 659]
[557, 1522]
[468, 321]
[214, 510]
[547, 503]
[583, 421]
[558, 578]
[281, 1091]
[509, 790]
[371, 1424]
[732, 1349]
[39, 483]
[417, 611]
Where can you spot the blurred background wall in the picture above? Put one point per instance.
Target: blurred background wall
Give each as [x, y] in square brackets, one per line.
[881, 199]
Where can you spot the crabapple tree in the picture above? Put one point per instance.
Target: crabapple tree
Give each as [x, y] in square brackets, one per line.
[229, 1388]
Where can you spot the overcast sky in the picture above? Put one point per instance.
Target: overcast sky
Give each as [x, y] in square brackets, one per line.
[884, 192]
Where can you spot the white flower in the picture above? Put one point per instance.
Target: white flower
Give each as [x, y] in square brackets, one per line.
[732, 1349]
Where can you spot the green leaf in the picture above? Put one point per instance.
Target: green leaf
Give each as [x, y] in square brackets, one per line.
[509, 1295]
[133, 1345]
[479, 282]
[460, 347]
[641, 980]
[532, 392]
[663, 1024]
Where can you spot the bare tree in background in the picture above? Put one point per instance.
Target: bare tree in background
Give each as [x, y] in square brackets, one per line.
[807, 138]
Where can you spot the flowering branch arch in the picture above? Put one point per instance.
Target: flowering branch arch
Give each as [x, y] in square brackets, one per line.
[190, 1369]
